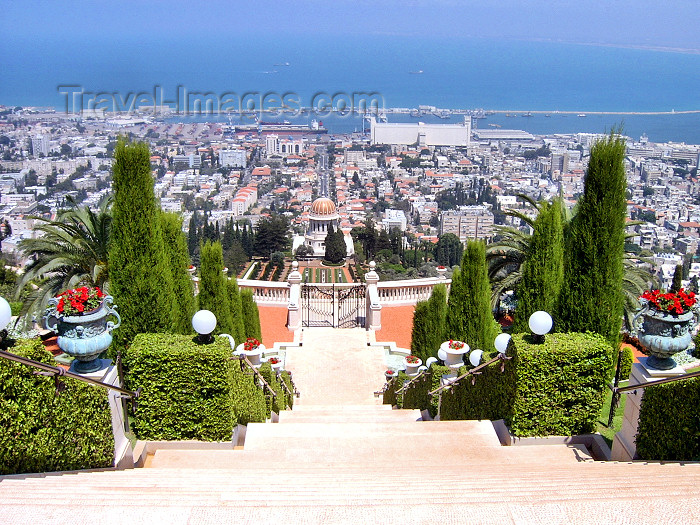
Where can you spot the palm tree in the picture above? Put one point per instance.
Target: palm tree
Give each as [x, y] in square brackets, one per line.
[70, 251]
[506, 255]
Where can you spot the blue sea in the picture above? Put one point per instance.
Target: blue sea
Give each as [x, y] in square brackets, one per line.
[447, 72]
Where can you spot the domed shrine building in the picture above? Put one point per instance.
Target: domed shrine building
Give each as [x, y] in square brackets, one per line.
[322, 215]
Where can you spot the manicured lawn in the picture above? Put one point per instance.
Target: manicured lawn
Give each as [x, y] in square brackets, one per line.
[609, 433]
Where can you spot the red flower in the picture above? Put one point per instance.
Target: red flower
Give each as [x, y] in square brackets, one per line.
[79, 300]
[675, 303]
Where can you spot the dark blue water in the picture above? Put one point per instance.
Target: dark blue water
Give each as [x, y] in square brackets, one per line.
[456, 73]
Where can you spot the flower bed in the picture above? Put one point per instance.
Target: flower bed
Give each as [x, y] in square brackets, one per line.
[79, 300]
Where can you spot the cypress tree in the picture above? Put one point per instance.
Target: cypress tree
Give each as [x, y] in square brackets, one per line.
[543, 268]
[140, 279]
[591, 297]
[213, 295]
[429, 324]
[469, 316]
[234, 299]
[177, 254]
[677, 283]
[251, 316]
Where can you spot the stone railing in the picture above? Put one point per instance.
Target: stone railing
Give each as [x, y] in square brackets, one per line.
[267, 292]
[409, 291]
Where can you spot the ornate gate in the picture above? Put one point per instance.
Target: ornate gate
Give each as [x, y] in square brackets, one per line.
[351, 307]
[337, 307]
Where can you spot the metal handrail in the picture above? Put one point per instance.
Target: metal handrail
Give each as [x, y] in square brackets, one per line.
[618, 391]
[410, 382]
[244, 362]
[57, 371]
[385, 387]
[474, 371]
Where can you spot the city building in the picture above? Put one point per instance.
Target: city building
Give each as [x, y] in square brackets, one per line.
[233, 158]
[40, 145]
[421, 134]
[469, 222]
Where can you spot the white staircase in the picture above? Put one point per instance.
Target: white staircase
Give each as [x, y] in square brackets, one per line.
[362, 463]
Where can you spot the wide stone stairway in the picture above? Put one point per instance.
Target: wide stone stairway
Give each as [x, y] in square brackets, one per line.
[341, 457]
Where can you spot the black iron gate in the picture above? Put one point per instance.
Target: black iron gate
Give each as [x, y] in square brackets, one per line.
[333, 306]
[351, 307]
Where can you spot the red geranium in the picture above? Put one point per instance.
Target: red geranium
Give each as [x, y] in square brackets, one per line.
[79, 300]
[456, 345]
[412, 359]
[251, 344]
[675, 303]
[273, 360]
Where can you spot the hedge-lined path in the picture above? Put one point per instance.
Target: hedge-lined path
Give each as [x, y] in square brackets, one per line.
[336, 367]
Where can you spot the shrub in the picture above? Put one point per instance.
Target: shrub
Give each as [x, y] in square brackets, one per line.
[189, 391]
[44, 432]
[560, 384]
[556, 388]
[668, 422]
[626, 360]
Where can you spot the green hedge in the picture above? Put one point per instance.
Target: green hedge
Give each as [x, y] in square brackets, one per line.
[189, 391]
[283, 400]
[560, 385]
[556, 388]
[669, 424]
[42, 432]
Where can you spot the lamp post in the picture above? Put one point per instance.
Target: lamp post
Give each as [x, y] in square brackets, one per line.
[204, 323]
[540, 324]
[5, 316]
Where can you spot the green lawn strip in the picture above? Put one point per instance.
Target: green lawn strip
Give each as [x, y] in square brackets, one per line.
[609, 433]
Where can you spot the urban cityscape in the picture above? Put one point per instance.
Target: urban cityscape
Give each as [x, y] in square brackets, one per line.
[350, 262]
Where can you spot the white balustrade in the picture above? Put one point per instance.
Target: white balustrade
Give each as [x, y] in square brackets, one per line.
[408, 291]
[267, 292]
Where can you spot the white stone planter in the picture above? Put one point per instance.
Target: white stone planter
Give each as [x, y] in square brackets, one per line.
[276, 367]
[454, 357]
[412, 368]
[252, 355]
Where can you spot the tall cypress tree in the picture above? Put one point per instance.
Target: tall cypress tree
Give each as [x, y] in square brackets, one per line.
[251, 315]
[543, 268]
[177, 254]
[234, 299]
[591, 296]
[469, 316]
[213, 295]
[140, 278]
[429, 324]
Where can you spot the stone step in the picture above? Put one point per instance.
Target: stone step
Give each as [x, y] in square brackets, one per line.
[301, 407]
[404, 512]
[348, 417]
[313, 452]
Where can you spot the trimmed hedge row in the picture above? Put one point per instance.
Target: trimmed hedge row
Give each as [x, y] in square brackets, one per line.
[556, 388]
[669, 425]
[44, 432]
[192, 391]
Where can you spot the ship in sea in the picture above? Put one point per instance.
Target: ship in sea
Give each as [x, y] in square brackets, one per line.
[279, 128]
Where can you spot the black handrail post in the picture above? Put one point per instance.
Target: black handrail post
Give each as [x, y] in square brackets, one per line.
[615, 398]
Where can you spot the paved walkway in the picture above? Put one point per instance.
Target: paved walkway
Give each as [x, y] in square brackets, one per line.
[336, 367]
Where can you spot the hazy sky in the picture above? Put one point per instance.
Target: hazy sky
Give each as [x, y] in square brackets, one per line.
[620, 22]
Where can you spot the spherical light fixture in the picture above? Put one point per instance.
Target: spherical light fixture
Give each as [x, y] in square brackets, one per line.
[540, 323]
[5, 313]
[204, 323]
[475, 357]
[442, 355]
[501, 342]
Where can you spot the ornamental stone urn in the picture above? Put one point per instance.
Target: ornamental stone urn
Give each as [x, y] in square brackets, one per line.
[412, 368]
[86, 336]
[663, 335]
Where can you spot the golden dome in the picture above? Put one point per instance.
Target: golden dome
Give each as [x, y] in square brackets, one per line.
[323, 206]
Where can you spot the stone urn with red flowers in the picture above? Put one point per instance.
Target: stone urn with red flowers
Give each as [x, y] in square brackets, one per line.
[79, 317]
[663, 325]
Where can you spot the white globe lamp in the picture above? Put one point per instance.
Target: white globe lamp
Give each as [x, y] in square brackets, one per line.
[204, 323]
[5, 313]
[442, 355]
[475, 357]
[501, 342]
[540, 324]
